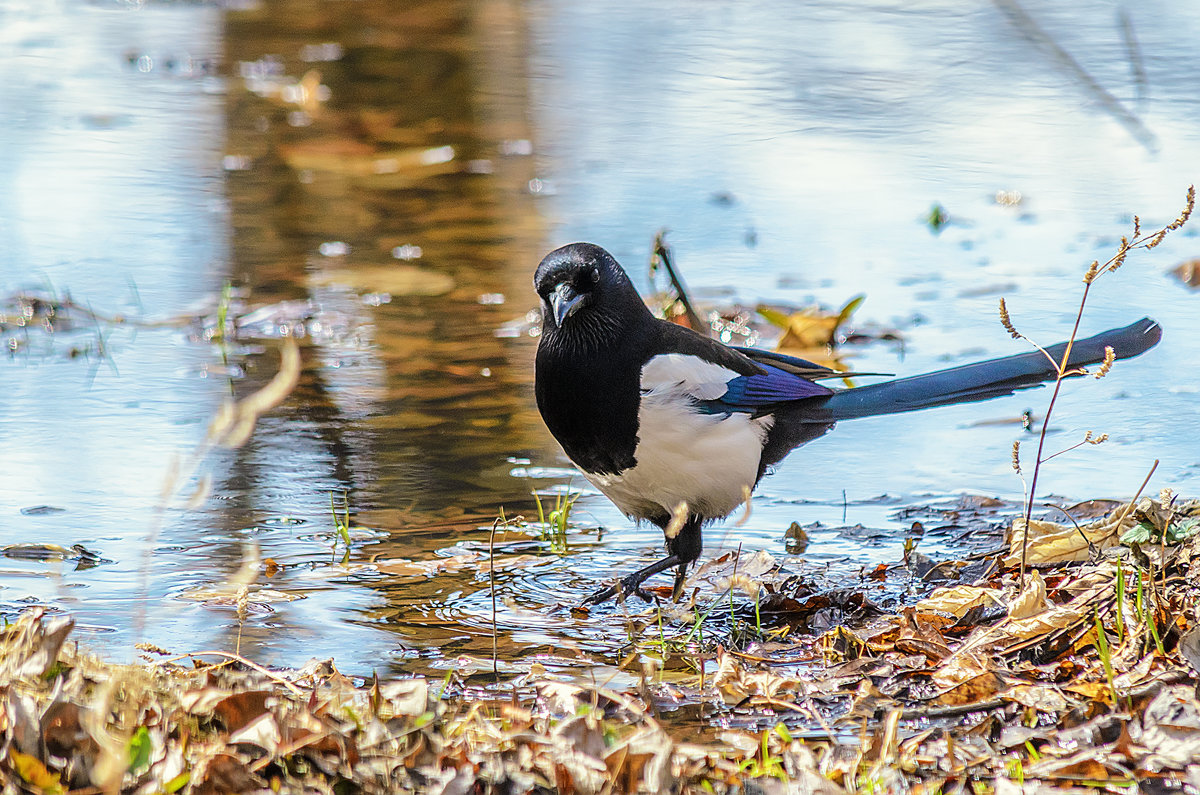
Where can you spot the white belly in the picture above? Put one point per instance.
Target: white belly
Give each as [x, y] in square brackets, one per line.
[705, 460]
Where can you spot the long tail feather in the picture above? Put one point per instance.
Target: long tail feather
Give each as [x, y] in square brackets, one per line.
[980, 381]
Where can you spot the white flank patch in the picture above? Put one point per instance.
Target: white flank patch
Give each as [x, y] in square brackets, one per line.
[683, 455]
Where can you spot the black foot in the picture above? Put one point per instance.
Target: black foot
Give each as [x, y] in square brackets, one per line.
[627, 586]
[633, 583]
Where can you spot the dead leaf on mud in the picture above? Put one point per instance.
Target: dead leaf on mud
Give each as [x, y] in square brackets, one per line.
[978, 688]
[1043, 698]
[1050, 542]
[1032, 600]
[958, 600]
[1171, 728]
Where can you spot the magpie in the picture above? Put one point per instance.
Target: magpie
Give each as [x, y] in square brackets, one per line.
[667, 422]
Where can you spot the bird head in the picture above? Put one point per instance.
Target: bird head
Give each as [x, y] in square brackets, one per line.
[582, 286]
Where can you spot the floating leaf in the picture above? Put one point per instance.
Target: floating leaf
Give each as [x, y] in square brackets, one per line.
[807, 329]
[1188, 273]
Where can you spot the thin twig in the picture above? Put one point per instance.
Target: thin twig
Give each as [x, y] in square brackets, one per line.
[1037, 466]
[953, 710]
[662, 253]
[238, 659]
[1138, 495]
[492, 582]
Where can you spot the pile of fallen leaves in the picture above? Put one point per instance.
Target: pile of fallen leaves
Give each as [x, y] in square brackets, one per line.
[1081, 676]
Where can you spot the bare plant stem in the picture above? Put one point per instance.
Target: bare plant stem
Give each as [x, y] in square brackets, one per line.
[1138, 240]
[492, 578]
[1037, 461]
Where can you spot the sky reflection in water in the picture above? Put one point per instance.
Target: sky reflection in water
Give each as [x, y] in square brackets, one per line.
[792, 151]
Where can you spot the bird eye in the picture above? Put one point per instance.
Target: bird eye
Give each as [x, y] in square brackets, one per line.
[595, 274]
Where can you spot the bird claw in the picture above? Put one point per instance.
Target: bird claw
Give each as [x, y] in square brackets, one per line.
[627, 586]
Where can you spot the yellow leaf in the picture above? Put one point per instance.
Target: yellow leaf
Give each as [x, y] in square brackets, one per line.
[1093, 691]
[809, 328]
[33, 772]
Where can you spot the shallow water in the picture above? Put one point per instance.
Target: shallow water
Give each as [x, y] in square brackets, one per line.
[404, 172]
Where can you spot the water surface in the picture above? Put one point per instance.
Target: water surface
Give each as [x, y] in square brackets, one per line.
[400, 173]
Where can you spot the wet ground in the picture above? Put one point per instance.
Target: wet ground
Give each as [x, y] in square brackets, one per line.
[400, 171]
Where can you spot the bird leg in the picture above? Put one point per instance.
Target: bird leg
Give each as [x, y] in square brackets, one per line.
[682, 551]
[633, 583]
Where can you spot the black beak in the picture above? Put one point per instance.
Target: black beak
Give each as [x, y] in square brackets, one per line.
[564, 301]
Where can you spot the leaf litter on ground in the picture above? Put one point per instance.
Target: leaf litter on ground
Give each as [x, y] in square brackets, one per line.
[1081, 678]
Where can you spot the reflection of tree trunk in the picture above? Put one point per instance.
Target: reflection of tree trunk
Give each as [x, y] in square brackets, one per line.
[403, 151]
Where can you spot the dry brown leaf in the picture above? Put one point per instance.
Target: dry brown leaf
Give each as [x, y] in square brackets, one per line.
[959, 668]
[262, 732]
[978, 688]
[1088, 764]
[406, 696]
[241, 708]
[202, 701]
[737, 682]
[809, 329]
[1032, 600]
[223, 773]
[33, 772]
[1050, 542]
[1093, 691]
[958, 600]
[1171, 728]
[1042, 697]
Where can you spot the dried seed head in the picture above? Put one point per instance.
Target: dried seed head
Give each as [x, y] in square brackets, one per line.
[1137, 227]
[1006, 321]
[1092, 271]
[1122, 252]
[1187, 211]
[1016, 456]
[1162, 233]
[1101, 439]
[1110, 356]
